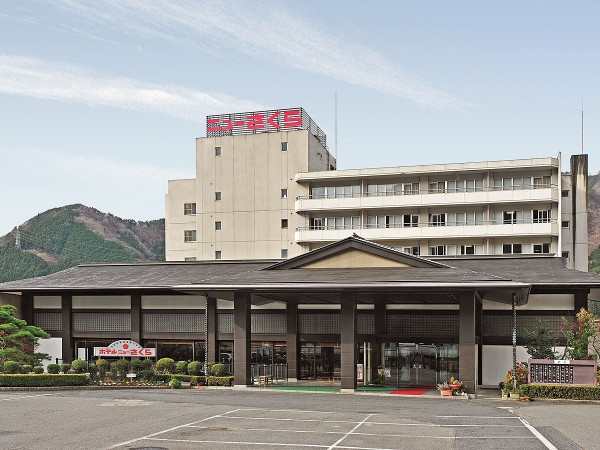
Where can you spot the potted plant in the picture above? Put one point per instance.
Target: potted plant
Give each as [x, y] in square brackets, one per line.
[445, 389]
[455, 384]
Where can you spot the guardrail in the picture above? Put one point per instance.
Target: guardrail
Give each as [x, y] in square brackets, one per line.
[428, 224]
[279, 372]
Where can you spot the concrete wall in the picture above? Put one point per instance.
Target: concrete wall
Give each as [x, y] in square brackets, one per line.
[53, 347]
[12, 299]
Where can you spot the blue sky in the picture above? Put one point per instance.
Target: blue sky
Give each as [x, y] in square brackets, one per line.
[102, 100]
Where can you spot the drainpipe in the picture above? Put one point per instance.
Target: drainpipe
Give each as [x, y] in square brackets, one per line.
[514, 339]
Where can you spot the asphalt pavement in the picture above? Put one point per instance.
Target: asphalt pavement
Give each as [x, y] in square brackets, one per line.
[231, 419]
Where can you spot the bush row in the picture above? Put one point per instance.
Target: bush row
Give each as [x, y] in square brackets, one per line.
[220, 381]
[43, 380]
[566, 392]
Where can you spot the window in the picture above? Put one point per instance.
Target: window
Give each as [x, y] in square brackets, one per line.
[541, 248]
[565, 224]
[437, 220]
[410, 188]
[284, 223]
[284, 253]
[541, 216]
[284, 193]
[335, 191]
[437, 187]
[416, 251]
[189, 236]
[189, 208]
[317, 223]
[217, 196]
[217, 151]
[410, 220]
[541, 182]
[218, 254]
[465, 186]
[284, 146]
[438, 250]
[342, 223]
[565, 255]
[218, 226]
[508, 249]
[461, 219]
[564, 193]
[510, 184]
[190, 258]
[509, 217]
[467, 249]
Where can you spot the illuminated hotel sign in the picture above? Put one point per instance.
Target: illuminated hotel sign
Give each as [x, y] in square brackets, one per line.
[263, 121]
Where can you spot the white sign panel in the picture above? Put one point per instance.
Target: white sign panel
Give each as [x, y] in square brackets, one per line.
[124, 348]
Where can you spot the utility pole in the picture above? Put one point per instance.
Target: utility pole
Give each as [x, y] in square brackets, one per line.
[18, 239]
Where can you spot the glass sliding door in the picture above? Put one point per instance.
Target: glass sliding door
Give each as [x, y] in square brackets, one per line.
[320, 361]
[411, 364]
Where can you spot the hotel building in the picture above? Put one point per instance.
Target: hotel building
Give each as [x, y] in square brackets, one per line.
[279, 263]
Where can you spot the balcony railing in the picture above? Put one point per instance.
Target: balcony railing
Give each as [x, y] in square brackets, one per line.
[426, 191]
[427, 224]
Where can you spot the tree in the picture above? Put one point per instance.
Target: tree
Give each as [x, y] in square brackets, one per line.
[578, 334]
[539, 342]
[18, 340]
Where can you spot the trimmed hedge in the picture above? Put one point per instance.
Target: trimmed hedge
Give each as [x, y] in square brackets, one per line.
[220, 381]
[53, 368]
[195, 380]
[564, 392]
[43, 380]
[181, 377]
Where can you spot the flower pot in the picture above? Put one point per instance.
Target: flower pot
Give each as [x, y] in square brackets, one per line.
[525, 399]
[446, 392]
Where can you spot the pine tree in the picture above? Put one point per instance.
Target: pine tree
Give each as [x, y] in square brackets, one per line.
[18, 340]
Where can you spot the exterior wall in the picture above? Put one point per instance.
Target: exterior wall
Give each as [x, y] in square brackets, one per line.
[12, 299]
[180, 192]
[53, 347]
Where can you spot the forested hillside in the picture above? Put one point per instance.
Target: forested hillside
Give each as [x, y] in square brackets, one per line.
[63, 237]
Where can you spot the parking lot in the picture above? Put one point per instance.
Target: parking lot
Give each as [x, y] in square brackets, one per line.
[188, 419]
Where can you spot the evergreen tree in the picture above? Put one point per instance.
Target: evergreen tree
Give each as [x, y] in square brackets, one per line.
[18, 340]
[539, 342]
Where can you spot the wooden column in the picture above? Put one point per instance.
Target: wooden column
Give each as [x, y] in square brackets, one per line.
[468, 342]
[241, 339]
[348, 340]
[292, 339]
[211, 330]
[68, 349]
[136, 318]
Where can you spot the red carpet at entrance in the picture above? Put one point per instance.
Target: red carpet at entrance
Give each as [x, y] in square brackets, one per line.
[410, 391]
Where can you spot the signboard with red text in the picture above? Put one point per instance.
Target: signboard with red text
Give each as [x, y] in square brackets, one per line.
[263, 122]
[124, 348]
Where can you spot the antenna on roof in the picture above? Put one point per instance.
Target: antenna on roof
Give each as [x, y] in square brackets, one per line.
[582, 125]
[335, 134]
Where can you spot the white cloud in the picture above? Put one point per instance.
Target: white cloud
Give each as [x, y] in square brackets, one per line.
[263, 30]
[69, 83]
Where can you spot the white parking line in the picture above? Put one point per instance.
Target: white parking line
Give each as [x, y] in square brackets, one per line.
[349, 432]
[538, 435]
[288, 419]
[274, 444]
[170, 429]
[287, 410]
[24, 396]
[478, 417]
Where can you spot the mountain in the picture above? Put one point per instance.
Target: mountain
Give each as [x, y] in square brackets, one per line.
[594, 222]
[64, 237]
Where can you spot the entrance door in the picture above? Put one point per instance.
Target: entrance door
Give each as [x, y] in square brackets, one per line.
[415, 364]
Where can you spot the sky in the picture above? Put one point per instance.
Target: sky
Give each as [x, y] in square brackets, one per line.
[101, 101]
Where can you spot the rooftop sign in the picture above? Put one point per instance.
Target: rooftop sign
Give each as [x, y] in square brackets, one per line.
[263, 122]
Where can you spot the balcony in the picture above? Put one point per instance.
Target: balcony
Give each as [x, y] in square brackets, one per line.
[436, 197]
[430, 231]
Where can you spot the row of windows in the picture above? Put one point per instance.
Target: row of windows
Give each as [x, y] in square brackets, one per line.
[219, 255]
[219, 152]
[190, 208]
[434, 187]
[435, 220]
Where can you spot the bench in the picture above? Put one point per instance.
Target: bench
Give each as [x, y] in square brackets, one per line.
[263, 380]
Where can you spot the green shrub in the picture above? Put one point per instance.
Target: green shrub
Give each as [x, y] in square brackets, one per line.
[194, 381]
[25, 368]
[137, 366]
[181, 367]
[11, 367]
[43, 380]
[147, 364]
[65, 368]
[165, 365]
[79, 366]
[147, 374]
[565, 392]
[122, 366]
[102, 365]
[175, 383]
[93, 370]
[220, 381]
[218, 370]
[38, 370]
[166, 377]
[53, 368]
[195, 368]
[181, 377]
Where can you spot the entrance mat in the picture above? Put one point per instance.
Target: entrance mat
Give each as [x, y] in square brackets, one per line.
[410, 391]
[305, 388]
[375, 389]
